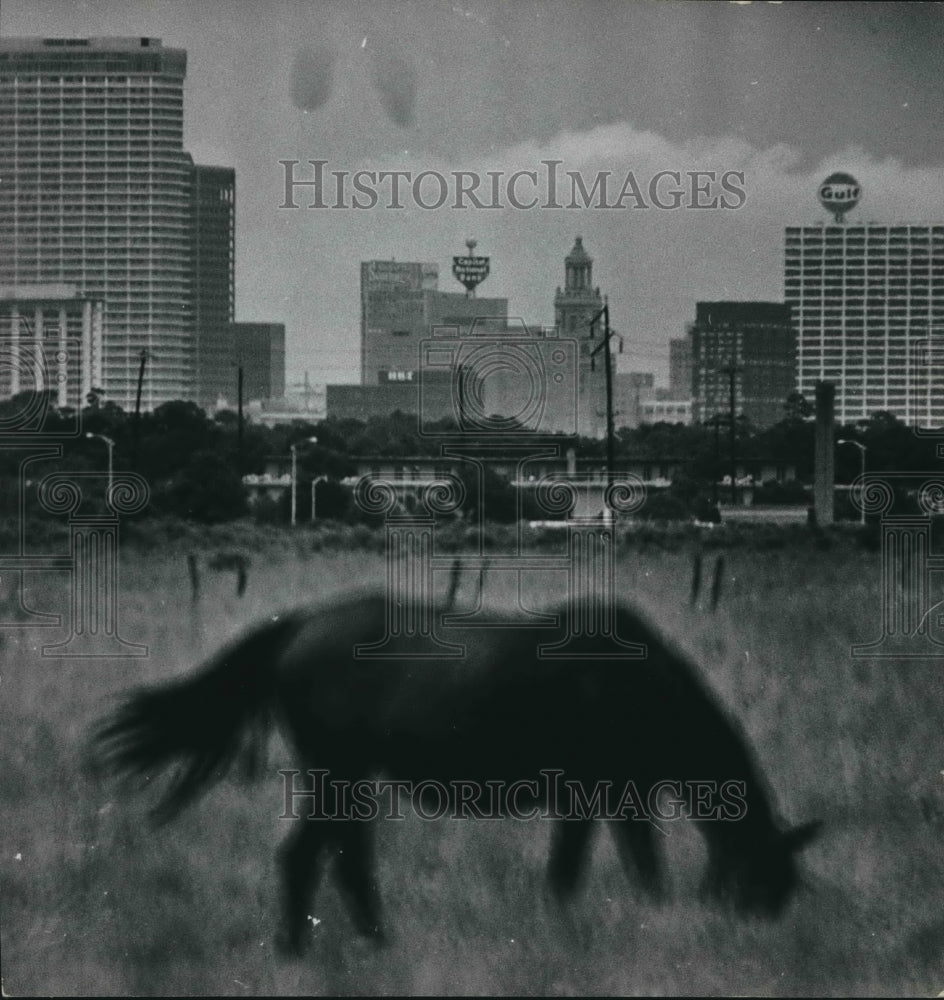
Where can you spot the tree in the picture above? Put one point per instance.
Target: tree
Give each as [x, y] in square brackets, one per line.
[95, 398]
[208, 489]
[797, 407]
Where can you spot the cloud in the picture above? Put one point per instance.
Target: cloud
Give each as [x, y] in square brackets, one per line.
[654, 264]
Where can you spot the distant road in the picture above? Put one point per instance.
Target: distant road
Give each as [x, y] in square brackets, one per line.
[767, 515]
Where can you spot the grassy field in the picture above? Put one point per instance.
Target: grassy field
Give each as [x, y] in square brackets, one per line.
[97, 902]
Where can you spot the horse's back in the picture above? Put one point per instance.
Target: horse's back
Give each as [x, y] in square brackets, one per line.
[501, 696]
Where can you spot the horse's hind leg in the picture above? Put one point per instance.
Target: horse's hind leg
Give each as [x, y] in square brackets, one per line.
[355, 843]
[300, 870]
[568, 846]
[636, 846]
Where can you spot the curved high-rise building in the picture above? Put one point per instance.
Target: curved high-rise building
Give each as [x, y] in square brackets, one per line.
[95, 191]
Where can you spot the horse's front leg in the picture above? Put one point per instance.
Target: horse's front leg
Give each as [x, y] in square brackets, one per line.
[357, 875]
[299, 858]
[638, 853]
[569, 841]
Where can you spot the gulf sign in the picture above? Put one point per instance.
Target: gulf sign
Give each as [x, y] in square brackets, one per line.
[839, 193]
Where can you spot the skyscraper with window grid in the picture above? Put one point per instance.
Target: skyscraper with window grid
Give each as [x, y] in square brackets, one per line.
[868, 304]
[96, 191]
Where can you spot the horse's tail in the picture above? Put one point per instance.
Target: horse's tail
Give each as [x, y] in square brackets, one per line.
[201, 722]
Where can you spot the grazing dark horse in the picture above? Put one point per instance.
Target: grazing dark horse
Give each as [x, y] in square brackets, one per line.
[498, 714]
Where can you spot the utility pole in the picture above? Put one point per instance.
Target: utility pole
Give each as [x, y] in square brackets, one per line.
[137, 402]
[716, 468]
[608, 368]
[731, 370]
[239, 425]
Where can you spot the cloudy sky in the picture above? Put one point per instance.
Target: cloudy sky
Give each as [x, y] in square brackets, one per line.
[785, 93]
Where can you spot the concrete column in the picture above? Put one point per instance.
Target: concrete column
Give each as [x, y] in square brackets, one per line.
[824, 461]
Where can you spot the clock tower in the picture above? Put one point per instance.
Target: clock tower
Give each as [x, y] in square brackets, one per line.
[574, 306]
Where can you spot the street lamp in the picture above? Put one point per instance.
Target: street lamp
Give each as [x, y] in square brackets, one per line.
[111, 449]
[293, 449]
[862, 449]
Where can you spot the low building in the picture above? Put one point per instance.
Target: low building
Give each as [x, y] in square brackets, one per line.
[52, 338]
[305, 407]
[665, 411]
[630, 391]
[395, 392]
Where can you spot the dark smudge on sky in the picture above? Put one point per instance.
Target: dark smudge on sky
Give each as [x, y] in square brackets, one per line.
[394, 80]
[311, 77]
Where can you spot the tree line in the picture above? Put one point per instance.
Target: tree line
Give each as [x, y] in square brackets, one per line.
[194, 462]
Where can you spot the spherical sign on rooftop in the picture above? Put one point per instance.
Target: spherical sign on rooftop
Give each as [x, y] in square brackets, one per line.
[839, 193]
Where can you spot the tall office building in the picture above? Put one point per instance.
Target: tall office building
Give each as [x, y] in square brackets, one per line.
[260, 349]
[753, 341]
[868, 302]
[630, 391]
[680, 368]
[213, 287]
[401, 304]
[393, 317]
[95, 192]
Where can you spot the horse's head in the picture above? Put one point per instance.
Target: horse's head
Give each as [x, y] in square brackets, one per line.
[761, 880]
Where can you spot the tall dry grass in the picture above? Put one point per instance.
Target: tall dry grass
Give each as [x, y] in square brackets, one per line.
[97, 902]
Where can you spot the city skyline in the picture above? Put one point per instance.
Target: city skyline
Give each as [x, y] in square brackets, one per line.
[760, 89]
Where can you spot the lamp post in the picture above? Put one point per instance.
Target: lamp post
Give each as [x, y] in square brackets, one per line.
[314, 484]
[862, 450]
[294, 451]
[111, 448]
